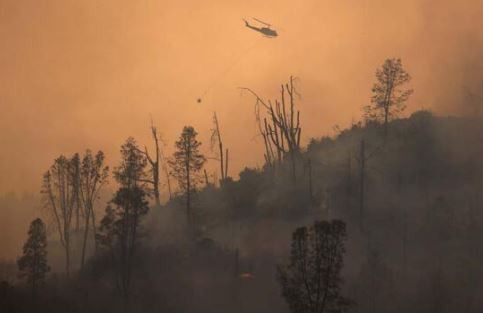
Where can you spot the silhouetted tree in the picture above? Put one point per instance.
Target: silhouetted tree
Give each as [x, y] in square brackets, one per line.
[132, 170]
[223, 155]
[93, 176]
[186, 165]
[33, 263]
[119, 229]
[74, 168]
[154, 162]
[388, 96]
[61, 198]
[311, 281]
[166, 173]
[281, 130]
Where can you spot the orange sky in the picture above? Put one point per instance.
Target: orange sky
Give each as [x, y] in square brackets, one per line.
[88, 74]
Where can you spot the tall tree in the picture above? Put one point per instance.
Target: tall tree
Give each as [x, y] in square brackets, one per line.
[186, 165]
[166, 173]
[223, 155]
[119, 230]
[61, 196]
[281, 128]
[388, 95]
[311, 280]
[154, 162]
[93, 176]
[132, 170]
[33, 263]
[74, 169]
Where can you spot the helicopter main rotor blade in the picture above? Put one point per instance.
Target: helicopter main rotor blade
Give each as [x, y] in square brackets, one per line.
[260, 21]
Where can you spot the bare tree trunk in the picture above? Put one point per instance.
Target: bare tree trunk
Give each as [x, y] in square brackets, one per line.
[222, 167]
[281, 127]
[216, 136]
[34, 288]
[154, 165]
[386, 120]
[207, 182]
[77, 218]
[349, 181]
[362, 159]
[226, 163]
[94, 229]
[86, 233]
[67, 256]
[404, 241]
[166, 173]
[188, 191]
[168, 182]
[309, 165]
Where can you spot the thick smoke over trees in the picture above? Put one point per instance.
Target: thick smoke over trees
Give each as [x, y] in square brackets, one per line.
[100, 69]
[400, 209]
[311, 281]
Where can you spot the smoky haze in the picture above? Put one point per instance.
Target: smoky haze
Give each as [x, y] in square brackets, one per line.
[87, 75]
[397, 199]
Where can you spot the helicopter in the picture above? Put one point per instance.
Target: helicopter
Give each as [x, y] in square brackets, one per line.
[267, 31]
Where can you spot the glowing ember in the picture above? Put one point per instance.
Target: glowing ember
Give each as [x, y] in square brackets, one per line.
[246, 275]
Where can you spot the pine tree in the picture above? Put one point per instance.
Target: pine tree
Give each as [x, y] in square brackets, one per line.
[33, 263]
[119, 230]
[388, 97]
[186, 165]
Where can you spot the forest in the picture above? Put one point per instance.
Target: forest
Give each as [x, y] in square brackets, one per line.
[384, 216]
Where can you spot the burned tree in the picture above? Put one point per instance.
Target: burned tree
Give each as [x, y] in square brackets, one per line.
[280, 128]
[388, 96]
[311, 280]
[154, 162]
[93, 176]
[166, 173]
[186, 164]
[223, 155]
